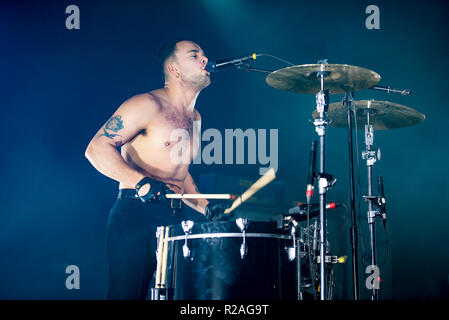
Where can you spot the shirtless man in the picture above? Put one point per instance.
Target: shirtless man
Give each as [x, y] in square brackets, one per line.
[142, 128]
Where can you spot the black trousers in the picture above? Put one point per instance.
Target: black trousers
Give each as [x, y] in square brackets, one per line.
[131, 243]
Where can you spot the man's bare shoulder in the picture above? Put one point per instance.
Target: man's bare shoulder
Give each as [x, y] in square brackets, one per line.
[159, 96]
[143, 102]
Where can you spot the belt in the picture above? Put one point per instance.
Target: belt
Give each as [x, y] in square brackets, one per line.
[132, 194]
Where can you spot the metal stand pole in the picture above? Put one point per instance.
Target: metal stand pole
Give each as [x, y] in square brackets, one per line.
[371, 223]
[298, 269]
[322, 102]
[348, 100]
[322, 183]
[371, 157]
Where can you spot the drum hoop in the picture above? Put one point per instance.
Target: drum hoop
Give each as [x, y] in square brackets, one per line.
[230, 235]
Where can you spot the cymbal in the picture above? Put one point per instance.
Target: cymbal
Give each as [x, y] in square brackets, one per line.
[383, 115]
[341, 78]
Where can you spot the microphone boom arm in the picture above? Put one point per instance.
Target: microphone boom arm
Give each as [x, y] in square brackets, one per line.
[404, 92]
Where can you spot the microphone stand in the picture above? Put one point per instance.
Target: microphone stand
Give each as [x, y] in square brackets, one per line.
[348, 100]
[404, 92]
[246, 67]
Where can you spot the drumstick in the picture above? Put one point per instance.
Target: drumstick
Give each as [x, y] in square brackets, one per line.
[159, 257]
[200, 196]
[164, 258]
[269, 176]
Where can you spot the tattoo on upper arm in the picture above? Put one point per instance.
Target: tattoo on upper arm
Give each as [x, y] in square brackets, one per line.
[114, 124]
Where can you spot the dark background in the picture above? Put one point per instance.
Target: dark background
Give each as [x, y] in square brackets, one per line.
[59, 86]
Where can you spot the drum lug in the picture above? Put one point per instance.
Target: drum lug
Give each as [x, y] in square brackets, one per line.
[243, 249]
[243, 225]
[291, 253]
[187, 227]
[186, 251]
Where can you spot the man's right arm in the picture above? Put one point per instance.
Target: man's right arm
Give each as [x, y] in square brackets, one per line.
[129, 119]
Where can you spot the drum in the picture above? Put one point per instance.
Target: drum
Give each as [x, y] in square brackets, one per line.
[237, 259]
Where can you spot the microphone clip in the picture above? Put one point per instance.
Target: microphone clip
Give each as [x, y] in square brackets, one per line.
[325, 181]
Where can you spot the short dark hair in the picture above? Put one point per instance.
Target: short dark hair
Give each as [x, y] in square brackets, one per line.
[167, 51]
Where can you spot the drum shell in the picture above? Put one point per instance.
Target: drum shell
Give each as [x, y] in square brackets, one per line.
[216, 271]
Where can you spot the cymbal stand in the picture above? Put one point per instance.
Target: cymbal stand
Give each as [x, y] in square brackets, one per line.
[324, 180]
[371, 156]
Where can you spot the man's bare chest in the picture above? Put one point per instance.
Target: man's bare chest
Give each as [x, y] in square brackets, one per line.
[168, 129]
[177, 120]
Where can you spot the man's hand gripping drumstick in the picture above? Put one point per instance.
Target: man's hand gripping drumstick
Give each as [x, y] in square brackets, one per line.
[217, 212]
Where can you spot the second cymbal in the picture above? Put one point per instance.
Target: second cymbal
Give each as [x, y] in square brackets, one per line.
[341, 78]
[383, 115]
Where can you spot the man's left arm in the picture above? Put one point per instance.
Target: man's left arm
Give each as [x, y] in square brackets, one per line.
[196, 204]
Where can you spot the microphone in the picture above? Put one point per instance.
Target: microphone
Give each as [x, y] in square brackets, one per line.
[213, 66]
[383, 210]
[301, 209]
[312, 171]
